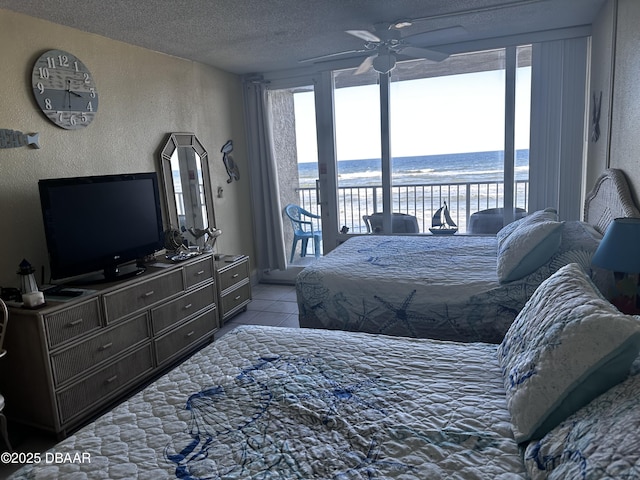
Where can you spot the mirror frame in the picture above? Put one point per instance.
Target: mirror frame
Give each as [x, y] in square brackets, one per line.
[175, 141]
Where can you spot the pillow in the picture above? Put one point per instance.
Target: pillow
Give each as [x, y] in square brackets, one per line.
[547, 214]
[529, 246]
[566, 346]
[599, 440]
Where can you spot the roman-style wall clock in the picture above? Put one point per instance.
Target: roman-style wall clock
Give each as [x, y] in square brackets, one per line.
[64, 89]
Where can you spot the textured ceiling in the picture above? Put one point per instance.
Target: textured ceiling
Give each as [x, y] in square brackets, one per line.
[247, 36]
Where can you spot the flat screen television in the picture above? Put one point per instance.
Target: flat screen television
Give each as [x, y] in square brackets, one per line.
[97, 224]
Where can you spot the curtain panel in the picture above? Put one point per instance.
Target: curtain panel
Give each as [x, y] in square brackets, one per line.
[263, 178]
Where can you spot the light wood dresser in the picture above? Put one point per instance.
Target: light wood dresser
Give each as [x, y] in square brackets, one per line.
[68, 361]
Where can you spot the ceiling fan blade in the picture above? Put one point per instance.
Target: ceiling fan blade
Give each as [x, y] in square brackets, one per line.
[364, 35]
[435, 37]
[332, 55]
[365, 65]
[424, 53]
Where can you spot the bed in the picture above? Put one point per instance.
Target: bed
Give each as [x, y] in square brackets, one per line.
[276, 403]
[462, 288]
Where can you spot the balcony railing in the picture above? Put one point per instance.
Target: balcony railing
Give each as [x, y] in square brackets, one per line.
[420, 200]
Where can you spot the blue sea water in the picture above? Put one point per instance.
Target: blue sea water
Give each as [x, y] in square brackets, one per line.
[442, 169]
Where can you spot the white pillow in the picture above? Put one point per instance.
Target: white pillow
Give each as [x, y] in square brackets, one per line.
[567, 346]
[529, 246]
[548, 214]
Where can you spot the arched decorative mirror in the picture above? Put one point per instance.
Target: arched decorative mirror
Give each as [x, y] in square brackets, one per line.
[187, 184]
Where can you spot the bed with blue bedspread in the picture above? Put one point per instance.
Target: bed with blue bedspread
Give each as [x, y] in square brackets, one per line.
[276, 403]
[462, 288]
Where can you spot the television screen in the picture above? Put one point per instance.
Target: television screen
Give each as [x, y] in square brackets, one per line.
[100, 222]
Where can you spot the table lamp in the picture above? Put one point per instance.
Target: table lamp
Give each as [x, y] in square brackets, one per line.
[619, 251]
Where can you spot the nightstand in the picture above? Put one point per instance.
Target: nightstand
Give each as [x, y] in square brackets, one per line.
[234, 286]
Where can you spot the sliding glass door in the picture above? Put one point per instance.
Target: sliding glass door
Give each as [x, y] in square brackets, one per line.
[455, 131]
[293, 129]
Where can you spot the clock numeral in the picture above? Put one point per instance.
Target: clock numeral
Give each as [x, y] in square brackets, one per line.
[51, 62]
[63, 60]
[44, 72]
[87, 78]
[40, 87]
[75, 66]
[89, 107]
[83, 118]
[93, 92]
[47, 103]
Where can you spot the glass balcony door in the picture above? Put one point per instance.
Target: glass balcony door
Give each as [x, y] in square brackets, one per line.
[455, 131]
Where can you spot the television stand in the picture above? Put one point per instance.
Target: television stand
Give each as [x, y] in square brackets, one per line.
[83, 355]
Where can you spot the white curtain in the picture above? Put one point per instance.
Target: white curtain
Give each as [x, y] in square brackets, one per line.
[263, 177]
[558, 79]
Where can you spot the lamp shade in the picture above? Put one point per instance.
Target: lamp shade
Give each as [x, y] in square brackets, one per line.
[619, 250]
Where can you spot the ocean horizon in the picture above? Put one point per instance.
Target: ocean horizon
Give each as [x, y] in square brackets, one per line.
[422, 169]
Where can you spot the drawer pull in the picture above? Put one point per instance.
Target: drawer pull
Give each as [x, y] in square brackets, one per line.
[238, 297]
[188, 306]
[236, 275]
[77, 322]
[189, 334]
[106, 346]
[149, 293]
[201, 272]
[111, 379]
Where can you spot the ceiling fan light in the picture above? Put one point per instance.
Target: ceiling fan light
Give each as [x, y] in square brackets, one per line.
[384, 63]
[402, 24]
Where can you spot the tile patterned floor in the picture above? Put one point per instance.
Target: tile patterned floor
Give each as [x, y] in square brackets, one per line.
[271, 305]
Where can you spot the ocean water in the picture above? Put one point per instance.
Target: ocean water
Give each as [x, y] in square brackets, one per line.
[441, 169]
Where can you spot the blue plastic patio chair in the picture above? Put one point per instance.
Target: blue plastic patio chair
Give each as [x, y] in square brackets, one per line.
[303, 230]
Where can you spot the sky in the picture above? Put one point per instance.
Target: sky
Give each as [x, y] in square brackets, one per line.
[452, 114]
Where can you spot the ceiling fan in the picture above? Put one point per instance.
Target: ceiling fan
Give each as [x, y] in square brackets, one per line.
[386, 42]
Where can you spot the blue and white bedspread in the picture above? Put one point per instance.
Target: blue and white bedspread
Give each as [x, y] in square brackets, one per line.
[276, 403]
[437, 287]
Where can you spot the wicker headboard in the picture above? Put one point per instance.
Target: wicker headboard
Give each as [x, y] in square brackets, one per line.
[610, 198]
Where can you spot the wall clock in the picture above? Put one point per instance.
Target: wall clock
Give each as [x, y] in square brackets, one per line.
[64, 89]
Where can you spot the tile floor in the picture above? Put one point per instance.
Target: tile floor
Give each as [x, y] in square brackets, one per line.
[271, 305]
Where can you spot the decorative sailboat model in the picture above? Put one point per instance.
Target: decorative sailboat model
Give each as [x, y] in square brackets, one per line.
[442, 223]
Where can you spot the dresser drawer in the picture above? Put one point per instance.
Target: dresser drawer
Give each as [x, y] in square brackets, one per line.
[233, 274]
[72, 322]
[198, 272]
[136, 297]
[179, 339]
[108, 344]
[172, 313]
[235, 298]
[105, 383]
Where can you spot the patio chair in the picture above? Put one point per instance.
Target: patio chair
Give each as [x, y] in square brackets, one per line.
[400, 223]
[303, 230]
[491, 220]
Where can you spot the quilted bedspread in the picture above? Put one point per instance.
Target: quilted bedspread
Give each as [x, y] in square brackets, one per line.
[275, 403]
[437, 287]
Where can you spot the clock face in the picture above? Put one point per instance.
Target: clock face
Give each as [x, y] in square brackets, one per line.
[64, 89]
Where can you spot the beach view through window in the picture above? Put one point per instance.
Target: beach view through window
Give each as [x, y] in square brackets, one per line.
[447, 137]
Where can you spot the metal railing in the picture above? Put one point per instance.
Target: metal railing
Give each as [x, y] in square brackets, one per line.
[420, 200]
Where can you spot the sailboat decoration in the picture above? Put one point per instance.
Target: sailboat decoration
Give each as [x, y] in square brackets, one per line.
[442, 223]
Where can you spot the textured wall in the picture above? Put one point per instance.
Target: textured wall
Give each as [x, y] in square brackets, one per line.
[143, 96]
[601, 78]
[625, 120]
